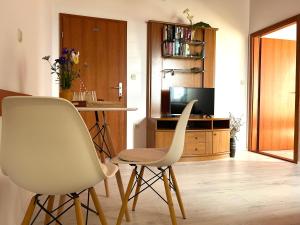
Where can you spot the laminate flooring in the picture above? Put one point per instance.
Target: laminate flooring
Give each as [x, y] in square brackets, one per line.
[250, 189]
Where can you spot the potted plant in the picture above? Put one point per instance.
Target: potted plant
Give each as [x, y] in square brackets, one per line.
[235, 125]
[196, 26]
[65, 69]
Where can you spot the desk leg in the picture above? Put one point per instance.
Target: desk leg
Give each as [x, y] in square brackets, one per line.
[118, 174]
[102, 156]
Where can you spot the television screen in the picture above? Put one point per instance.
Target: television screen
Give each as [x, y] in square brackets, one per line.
[180, 96]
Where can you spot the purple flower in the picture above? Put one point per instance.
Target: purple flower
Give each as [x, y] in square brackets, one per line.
[65, 51]
[61, 60]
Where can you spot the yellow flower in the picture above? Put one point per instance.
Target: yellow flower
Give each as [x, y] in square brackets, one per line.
[75, 57]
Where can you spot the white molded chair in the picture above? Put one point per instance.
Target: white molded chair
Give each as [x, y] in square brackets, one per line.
[162, 159]
[47, 149]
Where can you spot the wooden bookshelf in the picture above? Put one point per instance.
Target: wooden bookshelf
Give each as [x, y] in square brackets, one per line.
[206, 138]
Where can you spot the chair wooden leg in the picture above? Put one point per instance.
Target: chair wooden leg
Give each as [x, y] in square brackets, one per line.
[121, 190]
[29, 211]
[98, 206]
[62, 200]
[78, 211]
[177, 191]
[138, 187]
[105, 180]
[49, 209]
[118, 174]
[169, 199]
[125, 199]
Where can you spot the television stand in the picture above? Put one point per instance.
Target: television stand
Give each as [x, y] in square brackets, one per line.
[205, 138]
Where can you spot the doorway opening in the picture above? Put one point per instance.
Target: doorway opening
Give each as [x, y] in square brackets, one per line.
[274, 91]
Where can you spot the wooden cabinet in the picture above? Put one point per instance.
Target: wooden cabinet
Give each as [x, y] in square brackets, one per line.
[176, 59]
[204, 138]
[221, 140]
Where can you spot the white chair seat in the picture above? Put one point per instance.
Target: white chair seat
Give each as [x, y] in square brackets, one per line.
[109, 169]
[140, 156]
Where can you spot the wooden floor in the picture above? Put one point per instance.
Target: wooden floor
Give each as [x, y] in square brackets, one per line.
[251, 189]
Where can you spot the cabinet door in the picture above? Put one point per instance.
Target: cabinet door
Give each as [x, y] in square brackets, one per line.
[221, 141]
[163, 139]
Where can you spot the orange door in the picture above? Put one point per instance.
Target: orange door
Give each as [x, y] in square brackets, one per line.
[277, 94]
[102, 46]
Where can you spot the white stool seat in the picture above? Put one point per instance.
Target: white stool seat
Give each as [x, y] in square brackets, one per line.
[141, 156]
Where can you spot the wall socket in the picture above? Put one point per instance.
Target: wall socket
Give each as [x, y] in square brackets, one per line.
[133, 76]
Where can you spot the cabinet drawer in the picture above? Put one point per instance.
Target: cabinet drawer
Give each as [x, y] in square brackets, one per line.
[194, 149]
[195, 137]
[195, 143]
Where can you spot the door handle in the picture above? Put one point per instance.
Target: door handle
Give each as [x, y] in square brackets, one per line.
[120, 88]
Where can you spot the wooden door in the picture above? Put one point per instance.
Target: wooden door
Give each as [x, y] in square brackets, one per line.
[103, 54]
[277, 94]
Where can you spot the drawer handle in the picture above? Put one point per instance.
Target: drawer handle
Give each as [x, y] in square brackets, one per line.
[196, 149]
[196, 138]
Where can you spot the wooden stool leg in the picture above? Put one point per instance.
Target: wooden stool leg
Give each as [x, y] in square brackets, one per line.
[62, 200]
[49, 209]
[177, 193]
[169, 199]
[98, 206]
[138, 187]
[125, 199]
[105, 180]
[29, 211]
[78, 211]
[113, 153]
[122, 195]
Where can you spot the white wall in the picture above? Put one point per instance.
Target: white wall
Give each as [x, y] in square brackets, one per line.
[267, 12]
[22, 70]
[230, 16]
[21, 66]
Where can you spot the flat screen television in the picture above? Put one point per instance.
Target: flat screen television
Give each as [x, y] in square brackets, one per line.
[180, 96]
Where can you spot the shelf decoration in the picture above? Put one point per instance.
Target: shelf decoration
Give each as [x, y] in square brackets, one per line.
[191, 70]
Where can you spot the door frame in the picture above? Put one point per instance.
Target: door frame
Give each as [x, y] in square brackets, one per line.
[253, 107]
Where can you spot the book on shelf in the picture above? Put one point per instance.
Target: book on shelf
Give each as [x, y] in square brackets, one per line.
[177, 41]
[173, 32]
